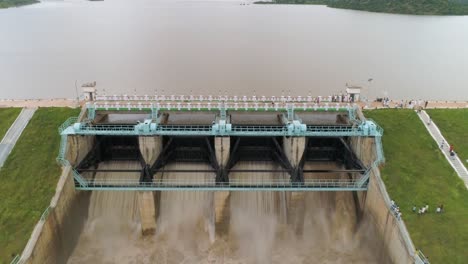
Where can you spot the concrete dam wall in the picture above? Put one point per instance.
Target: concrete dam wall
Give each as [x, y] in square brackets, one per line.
[222, 226]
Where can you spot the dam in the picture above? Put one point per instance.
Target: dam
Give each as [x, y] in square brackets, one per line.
[202, 179]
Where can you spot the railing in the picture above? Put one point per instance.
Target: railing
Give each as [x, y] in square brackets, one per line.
[16, 260]
[184, 128]
[107, 127]
[263, 129]
[337, 128]
[225, 98]
[62, 149]
[236, 130]
[420, 258]
[202, 184]
[67, 123]
[46, 213]
[217, 106]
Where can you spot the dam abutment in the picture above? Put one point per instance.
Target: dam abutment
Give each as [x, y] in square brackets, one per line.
[56, 234]
[375, 209]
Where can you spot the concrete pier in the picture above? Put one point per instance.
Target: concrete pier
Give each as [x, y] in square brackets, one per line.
[294, 148]
[147, 204]
[150, 147]
[222, 148]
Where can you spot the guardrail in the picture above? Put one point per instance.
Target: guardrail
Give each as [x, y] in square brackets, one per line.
[204, 185]
[223, 98]
[16, 260]
[67, 123]
[420, 258]
[207, 130]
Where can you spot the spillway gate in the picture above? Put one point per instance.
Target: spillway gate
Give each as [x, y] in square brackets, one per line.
[221, 133]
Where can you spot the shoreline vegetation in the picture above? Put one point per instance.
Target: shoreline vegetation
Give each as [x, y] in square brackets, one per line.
[413, 7]
[16, 3]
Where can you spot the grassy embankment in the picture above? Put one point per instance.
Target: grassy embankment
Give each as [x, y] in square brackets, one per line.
[15, 3]
[453, 123]
[414, 7]
[28, 179]
[7, 117]
[416, 173]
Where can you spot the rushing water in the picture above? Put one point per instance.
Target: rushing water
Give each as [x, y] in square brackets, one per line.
[203, 46]
[251, 227]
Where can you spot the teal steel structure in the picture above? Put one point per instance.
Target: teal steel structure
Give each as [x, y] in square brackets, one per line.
[173, 185]
[221, 127]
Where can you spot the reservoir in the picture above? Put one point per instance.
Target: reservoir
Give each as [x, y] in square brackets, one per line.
[213, 47]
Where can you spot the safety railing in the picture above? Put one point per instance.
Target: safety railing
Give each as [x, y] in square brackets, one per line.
[222, 98]
[104, 127]
[420, 258]
[63, 148]
[246, 128]
[336, 128]
[16, 260]
[67, 123]
[184, 128]
[46, 213]
[201, 184]
[208, 130]
[216, 106]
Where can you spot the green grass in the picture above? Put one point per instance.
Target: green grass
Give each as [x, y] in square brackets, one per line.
[416, 173]
[29, 178]
[453, 123]
[7, 117]
[14, 3]
[413, 7]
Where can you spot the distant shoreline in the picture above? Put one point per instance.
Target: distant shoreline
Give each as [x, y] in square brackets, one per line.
[435, 8]
[17, 3]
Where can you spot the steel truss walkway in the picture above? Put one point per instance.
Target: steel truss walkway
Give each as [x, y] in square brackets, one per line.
[190, 185]
[293, 125]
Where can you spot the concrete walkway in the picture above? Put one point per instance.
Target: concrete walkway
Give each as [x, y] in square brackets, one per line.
[455, 161]
[12, 135]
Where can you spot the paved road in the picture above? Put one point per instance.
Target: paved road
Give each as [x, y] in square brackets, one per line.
[12, 135]
[456, 163]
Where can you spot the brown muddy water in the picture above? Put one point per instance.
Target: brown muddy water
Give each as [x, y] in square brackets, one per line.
[246, 227]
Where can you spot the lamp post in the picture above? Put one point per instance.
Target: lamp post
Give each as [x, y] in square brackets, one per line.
[76, 92]
[368, 91]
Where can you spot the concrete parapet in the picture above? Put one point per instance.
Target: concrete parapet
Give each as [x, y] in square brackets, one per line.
[294, 148]
[147, 203]
[150, 147]
[222, 149]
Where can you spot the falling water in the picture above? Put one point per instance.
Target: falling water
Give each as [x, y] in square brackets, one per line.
[260, 227]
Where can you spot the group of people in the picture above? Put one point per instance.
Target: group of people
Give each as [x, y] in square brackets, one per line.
[395, 209]
[425, 209]
[412, 104]
[340, 98]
